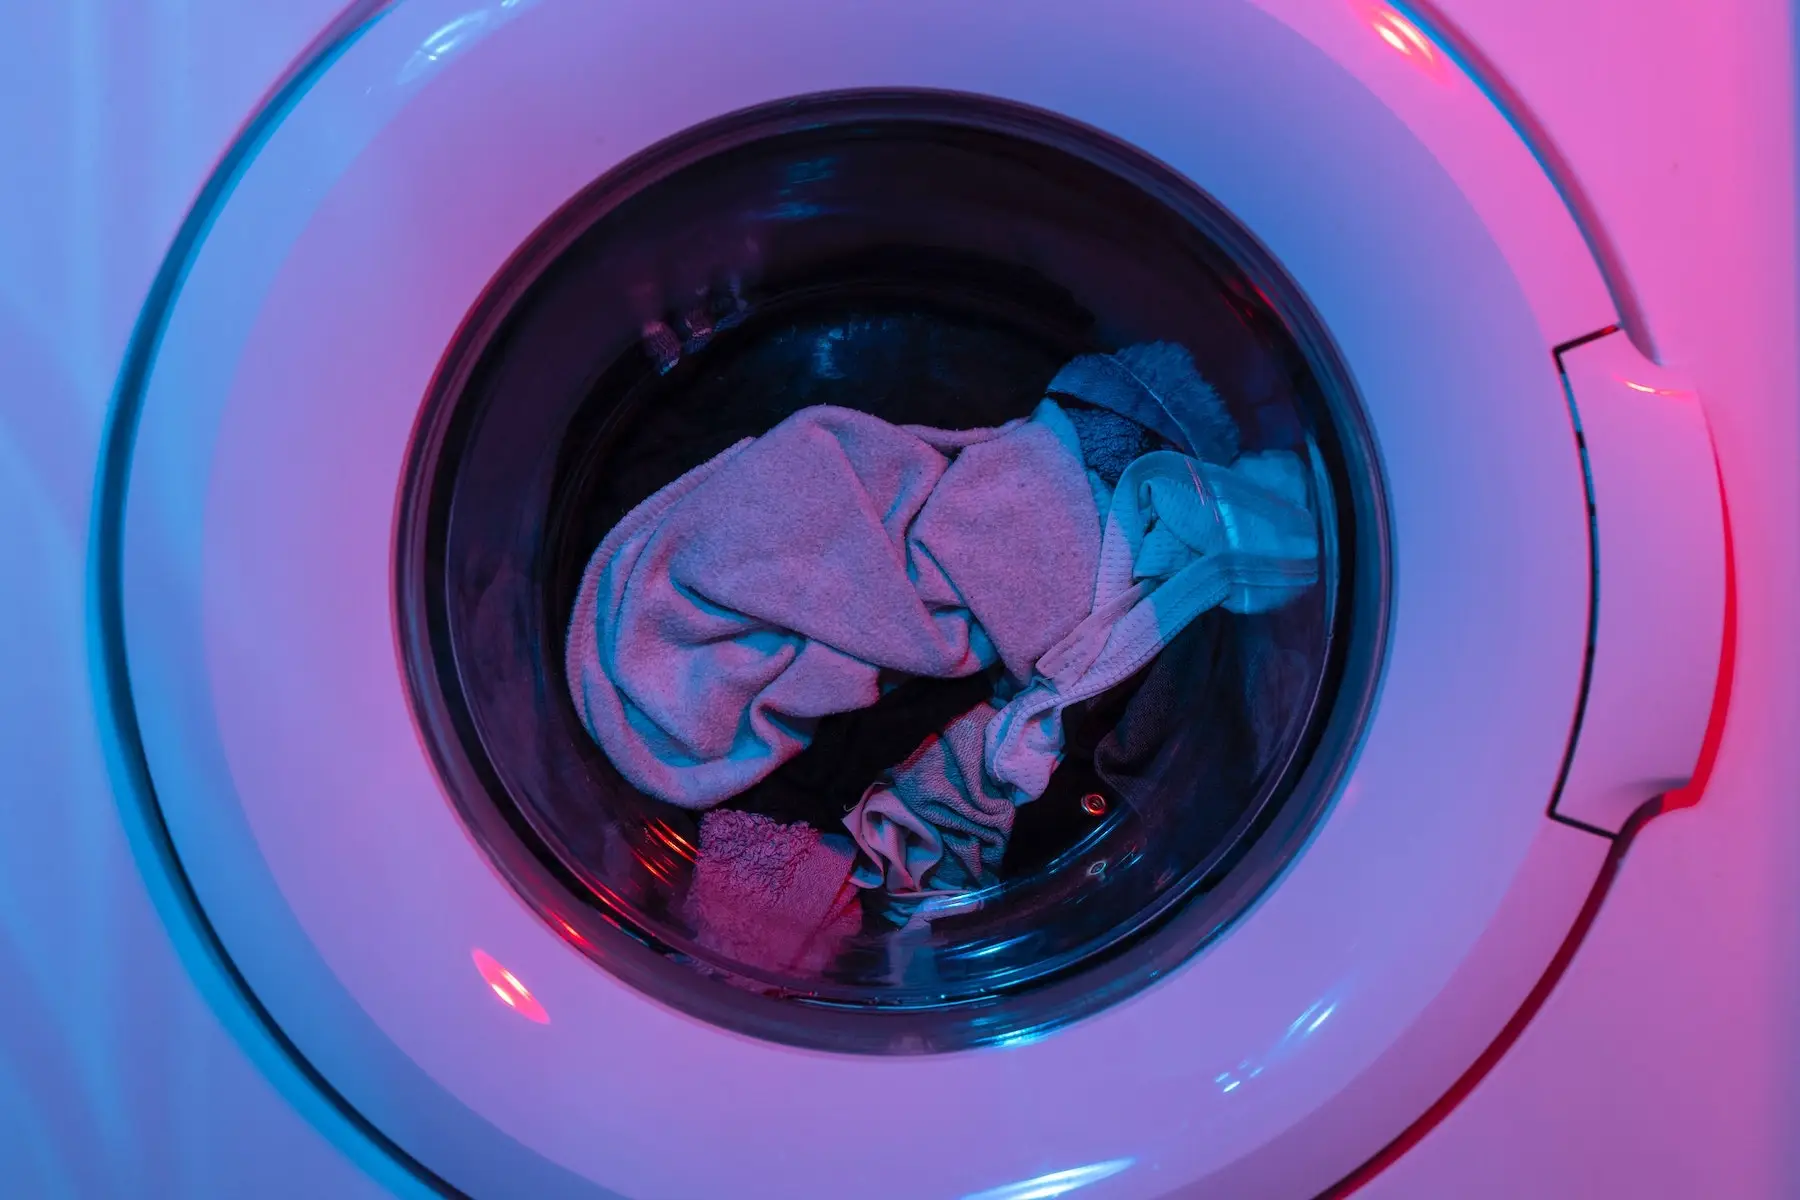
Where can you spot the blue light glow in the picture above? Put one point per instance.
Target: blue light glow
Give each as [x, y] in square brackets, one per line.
[1056, 1183]
[457, 36]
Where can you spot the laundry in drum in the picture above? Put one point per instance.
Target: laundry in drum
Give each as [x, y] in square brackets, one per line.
[841, 564]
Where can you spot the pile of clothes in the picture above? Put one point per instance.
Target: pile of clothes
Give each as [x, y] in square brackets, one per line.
[815, 569]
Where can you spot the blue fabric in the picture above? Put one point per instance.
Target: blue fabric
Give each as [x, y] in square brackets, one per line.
[1156, 386]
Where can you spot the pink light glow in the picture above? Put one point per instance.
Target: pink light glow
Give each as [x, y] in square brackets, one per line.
[507, 987]
[1655, 391]
[1404, 38]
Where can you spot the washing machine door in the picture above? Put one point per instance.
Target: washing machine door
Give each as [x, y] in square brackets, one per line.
[1518, 628]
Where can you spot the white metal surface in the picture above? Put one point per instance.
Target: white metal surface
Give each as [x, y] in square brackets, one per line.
[127, 1066]
[1661, 557]
[259, 628]
[1662, 1066]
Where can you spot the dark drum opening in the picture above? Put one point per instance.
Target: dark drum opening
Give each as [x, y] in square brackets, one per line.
[930, 260]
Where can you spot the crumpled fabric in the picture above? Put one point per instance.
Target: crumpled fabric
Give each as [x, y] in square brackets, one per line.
[795, 575]
[1155, 386]
[936, 823]
[850, 749]
[1183, 728]
[782, 580]
[1182, 536]
[1213, 715]
[1277, 683]
[1110, 442]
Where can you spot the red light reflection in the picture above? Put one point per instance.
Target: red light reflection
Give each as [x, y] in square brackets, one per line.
[1688, 796]
[506, 985]
[1404, 38]
[665, 833]
[1654, 391]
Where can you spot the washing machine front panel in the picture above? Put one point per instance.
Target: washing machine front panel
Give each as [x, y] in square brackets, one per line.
[258, 557]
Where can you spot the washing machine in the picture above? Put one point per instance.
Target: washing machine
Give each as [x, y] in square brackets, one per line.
[337, 342]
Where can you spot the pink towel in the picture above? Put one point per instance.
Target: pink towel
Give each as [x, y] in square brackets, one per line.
[773, 896]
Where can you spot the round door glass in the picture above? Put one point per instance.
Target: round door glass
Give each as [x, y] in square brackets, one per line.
[890, 572]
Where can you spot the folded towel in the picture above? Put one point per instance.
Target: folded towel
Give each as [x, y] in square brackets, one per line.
[772, 896]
